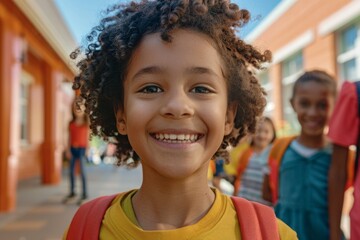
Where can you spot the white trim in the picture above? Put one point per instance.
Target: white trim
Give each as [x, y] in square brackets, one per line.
[276, 13]
[294, 46]
[339, 18]
[45, 16]
[347, 56]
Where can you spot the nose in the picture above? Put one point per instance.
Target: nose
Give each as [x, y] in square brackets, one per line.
[178, 104]
[313, 111]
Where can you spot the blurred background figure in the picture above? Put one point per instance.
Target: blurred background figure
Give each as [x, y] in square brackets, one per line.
[253, 163]
[344, 131]
[76, 152]
[299, 176]
[234, 157]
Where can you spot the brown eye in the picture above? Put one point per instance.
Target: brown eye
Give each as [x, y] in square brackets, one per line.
[304, 104]
[322, 105]
[151, 89]
[201, 89]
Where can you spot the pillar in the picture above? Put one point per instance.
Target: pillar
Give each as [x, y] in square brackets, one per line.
[10, 72]
[52, 147]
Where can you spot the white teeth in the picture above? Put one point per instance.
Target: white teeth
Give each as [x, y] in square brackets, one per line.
[181, 137]
[176, 137]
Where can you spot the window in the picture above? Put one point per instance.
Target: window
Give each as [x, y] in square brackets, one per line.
[25, 83]
[264, 80]
[349, 52]
[292, 68]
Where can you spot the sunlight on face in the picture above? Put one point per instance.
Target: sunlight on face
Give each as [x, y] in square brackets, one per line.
[175, 103]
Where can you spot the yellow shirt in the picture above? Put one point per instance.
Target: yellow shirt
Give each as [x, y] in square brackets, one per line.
[219, 223]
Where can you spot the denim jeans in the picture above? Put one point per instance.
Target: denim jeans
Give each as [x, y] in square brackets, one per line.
[77, 154]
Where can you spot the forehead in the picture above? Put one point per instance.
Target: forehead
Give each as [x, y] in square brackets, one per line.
[264, 124]
[186, 48]
[313, 89]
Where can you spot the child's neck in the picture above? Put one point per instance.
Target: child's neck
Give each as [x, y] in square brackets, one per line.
[258, 149]
[163, 205]
[312, 141]
[79, 121]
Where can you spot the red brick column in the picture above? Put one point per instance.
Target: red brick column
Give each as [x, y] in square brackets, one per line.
[52, 148]
[10, 71]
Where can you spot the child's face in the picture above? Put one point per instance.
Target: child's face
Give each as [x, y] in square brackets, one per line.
[79, 113]
[263, 135]
[313, 103]
[175, 104]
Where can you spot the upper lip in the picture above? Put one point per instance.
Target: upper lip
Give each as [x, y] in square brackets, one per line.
[175, 131]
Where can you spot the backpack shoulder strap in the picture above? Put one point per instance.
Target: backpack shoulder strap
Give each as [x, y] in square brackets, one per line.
[276, 153]
[279, 147]
[242, 164]
[256, 221]
[86, 222]
[244, 160]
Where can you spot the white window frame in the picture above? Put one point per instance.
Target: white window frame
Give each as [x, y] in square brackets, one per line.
[26, 81]
[287, 80]
[350, 54]
[268, 87]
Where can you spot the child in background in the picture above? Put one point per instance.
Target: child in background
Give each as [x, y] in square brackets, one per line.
[344, 131]
[302, 173]
[78, 143]
[168, 81]
[234, 156]
[253, 163]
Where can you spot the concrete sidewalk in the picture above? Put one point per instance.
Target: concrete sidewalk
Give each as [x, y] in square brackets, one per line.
[40, 214]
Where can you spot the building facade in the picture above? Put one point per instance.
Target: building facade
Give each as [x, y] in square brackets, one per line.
[34, 100]
[305, 35]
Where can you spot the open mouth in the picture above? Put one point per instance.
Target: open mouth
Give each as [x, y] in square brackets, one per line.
[176, 138]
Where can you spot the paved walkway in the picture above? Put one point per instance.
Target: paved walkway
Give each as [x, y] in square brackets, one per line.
[40, 214]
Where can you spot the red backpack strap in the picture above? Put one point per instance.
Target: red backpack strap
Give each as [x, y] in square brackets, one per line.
[86, 222]
[257, 221]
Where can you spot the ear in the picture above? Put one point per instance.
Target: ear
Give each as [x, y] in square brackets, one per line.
[120, 122]
[230, 118]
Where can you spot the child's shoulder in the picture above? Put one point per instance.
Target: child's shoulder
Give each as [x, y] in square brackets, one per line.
[280, 146]
[285, 231]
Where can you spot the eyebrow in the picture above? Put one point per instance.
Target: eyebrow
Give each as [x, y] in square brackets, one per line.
[190, 70]
[201, 70]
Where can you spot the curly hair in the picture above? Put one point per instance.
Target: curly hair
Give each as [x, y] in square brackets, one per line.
[110, 45]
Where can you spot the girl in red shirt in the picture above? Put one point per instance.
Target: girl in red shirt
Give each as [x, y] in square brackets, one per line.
[78, 142]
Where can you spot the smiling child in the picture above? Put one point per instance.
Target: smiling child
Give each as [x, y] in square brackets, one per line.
[168, 80]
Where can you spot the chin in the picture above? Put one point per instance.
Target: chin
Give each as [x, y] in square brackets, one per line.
[315, 133]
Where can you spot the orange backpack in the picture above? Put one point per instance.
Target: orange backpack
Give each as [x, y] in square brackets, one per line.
[242, 165]
[257, 221]
[275, 157]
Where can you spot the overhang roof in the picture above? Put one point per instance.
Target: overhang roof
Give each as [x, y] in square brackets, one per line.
[46, 17]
